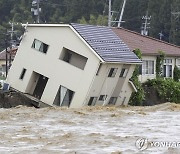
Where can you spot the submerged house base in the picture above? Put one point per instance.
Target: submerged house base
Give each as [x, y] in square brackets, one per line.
[35, 102]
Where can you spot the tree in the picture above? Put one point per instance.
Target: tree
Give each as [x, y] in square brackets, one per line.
[175, 22]
[176, 74]
[164, 18]
[96, 12]
[159, 64]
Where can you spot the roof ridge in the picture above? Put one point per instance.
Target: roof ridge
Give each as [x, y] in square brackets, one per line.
[149, 37]
[89, 25]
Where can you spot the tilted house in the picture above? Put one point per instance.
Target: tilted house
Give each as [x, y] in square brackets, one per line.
[73, 65]
[150, 48]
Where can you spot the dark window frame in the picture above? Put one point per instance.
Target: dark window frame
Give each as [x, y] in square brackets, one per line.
[102, 97]
[123, 73]
[112, 72]
[99, 68]
[23, 73]
[112, 101]
[165, 71]
[42, 48]
[68, 55]
[92, 101]
[66, 99]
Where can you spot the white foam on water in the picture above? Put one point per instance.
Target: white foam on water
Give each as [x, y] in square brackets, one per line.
[88, 130]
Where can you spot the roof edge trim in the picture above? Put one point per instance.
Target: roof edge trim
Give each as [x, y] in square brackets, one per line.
[135, 63]
[156, 54]
[45, 25]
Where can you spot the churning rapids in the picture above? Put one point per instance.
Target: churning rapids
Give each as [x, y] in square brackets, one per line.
[90, 130]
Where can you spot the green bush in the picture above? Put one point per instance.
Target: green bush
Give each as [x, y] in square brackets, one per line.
[168, 89]
[137, 98]
[159, 64]
[176, 74]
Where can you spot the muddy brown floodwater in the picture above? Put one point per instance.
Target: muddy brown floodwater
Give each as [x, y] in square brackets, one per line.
[91, 130]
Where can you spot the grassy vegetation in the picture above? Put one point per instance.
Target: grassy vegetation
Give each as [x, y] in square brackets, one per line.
[137, 97]
[176, 74]
[167, 89]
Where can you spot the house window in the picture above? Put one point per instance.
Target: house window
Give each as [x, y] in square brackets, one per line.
[112, 72]
[102, 97]
[67, 57]
[167, 61]
[73, 58]
[123, 102]
[167, 68]
[92, 101]
[140, 69]
[112, 100]
[124, 72]
[99, 69]
[63, 97]
[22, 74]
[148, 67]
[40, 46]
[178, 63]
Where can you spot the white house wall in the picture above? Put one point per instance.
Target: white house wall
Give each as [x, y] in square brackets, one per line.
[111, 86]
[145, 77]
[49, 64]
[178, 62]
[126, 89]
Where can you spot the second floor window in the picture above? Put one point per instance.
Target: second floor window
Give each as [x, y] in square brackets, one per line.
[112, 72]
[73, 58]
[123, 73]
[22, 74]
[40, 46]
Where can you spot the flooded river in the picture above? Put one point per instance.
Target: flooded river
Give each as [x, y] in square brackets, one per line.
[91, 130]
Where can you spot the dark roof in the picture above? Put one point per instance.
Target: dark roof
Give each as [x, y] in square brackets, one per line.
[106, 43]
[147, 45]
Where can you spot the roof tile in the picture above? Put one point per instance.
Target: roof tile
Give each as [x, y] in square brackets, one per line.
[147, 45]
[106, 43]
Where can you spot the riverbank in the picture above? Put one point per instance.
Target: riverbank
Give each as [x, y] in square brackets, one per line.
[11, 98]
